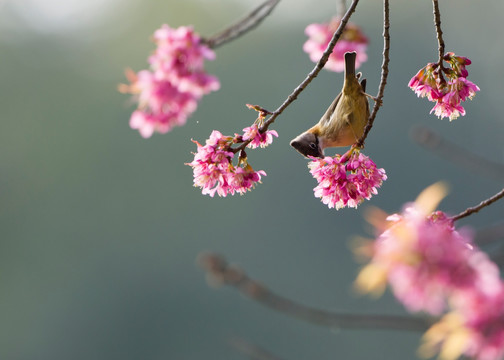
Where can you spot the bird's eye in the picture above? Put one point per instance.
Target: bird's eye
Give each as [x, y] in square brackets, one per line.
[313, 146]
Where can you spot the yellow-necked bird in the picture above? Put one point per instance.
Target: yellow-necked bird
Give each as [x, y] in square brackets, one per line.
[344, 121]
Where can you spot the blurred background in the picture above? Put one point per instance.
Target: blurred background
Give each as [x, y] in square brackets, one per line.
[100, 228]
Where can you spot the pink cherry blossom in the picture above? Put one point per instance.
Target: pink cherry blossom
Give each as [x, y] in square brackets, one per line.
[244, 179]
[447, 107]
[258, 139]
[168, 93]
[427, 262]
[446, 93]
[483, 317]
[352, 39]
[474, 327]
[214, 171]
[346, 180]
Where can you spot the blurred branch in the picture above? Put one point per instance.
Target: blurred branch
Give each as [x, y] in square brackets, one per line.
[384, 73]
[434, 142]
[437, 144]
[220, 273]
[252, 351]
[243, 26]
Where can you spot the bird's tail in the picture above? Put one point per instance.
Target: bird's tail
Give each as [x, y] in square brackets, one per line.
[350, 64]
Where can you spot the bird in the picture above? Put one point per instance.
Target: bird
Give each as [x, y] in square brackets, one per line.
[344, 121]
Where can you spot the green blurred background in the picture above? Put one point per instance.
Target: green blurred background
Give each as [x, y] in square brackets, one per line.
[100, 228]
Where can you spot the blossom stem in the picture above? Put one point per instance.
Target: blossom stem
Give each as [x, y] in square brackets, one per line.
[481, 205]
[219, 272]
[311, 75]
[384, 73]
[439, 32]
[243, 26]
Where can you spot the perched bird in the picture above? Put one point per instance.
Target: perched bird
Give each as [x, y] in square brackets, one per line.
[344, 121]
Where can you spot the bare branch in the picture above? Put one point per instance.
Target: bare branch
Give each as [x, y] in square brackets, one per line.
[439, 32]
[220, 273]
[243, 26]
[384, 73]
[481, 205]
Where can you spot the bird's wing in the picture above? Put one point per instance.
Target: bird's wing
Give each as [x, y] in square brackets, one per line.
[330, 111]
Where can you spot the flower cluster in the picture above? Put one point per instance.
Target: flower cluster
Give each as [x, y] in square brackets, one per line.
[432, 267]
[426, 261]
[346, 180]
[213, 168]
[446, 93]
[169, 91]
[352, 39]
[257, 138]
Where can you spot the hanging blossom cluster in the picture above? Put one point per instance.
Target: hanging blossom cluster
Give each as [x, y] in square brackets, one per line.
[352, 39]
[434, 268]
[449, 93]
[169, 91]
[346, 180]
[213, 167]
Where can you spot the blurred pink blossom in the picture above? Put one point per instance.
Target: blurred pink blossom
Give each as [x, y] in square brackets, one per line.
[427, 261]
[352, 39]
[168, 93]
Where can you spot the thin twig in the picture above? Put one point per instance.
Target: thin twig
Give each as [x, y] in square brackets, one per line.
[467, 160]
[384, 73]
[481, 205]
[311, 75]
[220, 273]
[439, 32]
[242, 26]
[253, 351]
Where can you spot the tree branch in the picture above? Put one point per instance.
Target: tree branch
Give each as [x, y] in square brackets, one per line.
[220, 273]
[439, 32]
[384, 73]
[243, 26]
[481, 205]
